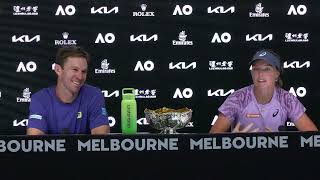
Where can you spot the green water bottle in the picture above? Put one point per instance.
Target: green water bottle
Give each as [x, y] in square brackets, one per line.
[128, 111]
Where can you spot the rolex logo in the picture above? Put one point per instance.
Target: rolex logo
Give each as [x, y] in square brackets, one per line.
[143, 7]
[65, 35]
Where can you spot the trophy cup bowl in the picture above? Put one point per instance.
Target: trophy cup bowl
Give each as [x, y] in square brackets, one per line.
[168, 120]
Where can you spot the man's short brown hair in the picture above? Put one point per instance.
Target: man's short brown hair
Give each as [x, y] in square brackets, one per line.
[70, 51]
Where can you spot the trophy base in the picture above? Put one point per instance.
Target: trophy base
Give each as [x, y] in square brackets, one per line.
[169, 131]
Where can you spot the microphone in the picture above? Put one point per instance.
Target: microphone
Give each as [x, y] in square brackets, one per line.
[65, 131]
[282, 128]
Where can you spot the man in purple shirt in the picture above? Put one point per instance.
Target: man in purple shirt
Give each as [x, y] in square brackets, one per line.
[71, 106]
[263, 106]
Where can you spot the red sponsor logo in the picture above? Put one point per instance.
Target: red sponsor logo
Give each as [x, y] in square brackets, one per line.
[253, 115]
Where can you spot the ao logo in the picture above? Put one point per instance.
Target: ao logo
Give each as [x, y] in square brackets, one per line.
[300, 92]
[112, 121]
[146, 66]
[301, 10]
[186, 93]
[108, 38]
[29, 67]
[68, 10]
[186, 10]
[225, 38]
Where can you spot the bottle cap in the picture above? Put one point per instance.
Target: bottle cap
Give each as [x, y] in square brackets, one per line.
[128, 93]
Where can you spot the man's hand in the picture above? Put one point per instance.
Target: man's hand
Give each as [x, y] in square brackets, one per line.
[100, 130]
[245, 129]
[34, 131]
